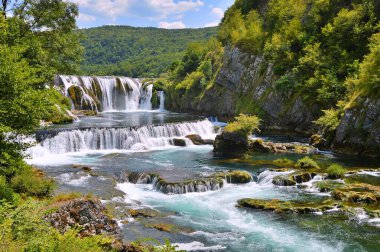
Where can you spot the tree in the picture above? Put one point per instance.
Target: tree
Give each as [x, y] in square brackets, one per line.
[36, 42]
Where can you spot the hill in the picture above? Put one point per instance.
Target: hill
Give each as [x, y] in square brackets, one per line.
[136, 52]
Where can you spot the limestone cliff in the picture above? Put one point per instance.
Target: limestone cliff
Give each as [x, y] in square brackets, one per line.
[245, 83]
[359, 129]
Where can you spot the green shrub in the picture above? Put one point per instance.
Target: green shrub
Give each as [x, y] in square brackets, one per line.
[32, 184]
[283, 162]
[306, 162]
[330, 120]
[24, 229]
[335, 171]
[244, 124]
[6, 192]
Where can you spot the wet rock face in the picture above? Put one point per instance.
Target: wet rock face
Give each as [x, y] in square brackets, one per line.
[198, 140]
[359, 130]
[88, 214]
[293, 178]
[134, 177]
[283, 181]
[178, 142]
[230, 144]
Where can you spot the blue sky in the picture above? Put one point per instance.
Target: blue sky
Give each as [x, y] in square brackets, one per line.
[169, 14]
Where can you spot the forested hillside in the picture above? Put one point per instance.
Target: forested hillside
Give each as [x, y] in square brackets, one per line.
[136, 52]
[299, 64]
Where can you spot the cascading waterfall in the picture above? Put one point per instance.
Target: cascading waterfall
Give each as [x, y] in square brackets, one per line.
[106, 93]
[142, 138]
[161, 96]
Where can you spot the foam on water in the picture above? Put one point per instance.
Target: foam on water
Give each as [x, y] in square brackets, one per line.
[198, 210]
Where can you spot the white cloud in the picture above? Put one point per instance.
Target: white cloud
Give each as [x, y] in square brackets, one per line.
[212, 24]
[86, 18]
[217, 12]
[154, 9]
[172, 25]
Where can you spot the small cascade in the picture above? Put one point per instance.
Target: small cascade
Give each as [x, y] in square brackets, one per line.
[161, 96]
[143, 138]
[106, 93]
[266, 177]
[201, 185]
[146, 98]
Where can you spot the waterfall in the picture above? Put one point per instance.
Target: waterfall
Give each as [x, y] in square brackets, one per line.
[106, 93]
[142, 138]
[201, 185]
[161, 95]
[146, 98]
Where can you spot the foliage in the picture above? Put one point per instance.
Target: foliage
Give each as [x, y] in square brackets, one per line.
[330, 120]
[322, 51]
[336, 170]
[244, 124]
[143, 246]
[369, 70]
[36, 42]
[22, 228]
[6, 192]
[306, 163]
[138, 52]
[32, 184]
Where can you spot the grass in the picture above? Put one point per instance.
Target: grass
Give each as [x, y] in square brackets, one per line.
[283, 162]
[336, 171]
[306, 163]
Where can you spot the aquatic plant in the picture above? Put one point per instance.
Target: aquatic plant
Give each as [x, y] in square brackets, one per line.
[335, 171]
[283, 162]
[306, 163]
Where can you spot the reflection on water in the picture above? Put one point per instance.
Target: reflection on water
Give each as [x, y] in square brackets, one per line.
[129, 119]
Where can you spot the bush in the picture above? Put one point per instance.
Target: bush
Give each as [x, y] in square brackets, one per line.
[306, 162]
[6, 192]
[24, 229]
[330, 120]
[244, 124]
[283, 162]
[32, 184]
[335, 171]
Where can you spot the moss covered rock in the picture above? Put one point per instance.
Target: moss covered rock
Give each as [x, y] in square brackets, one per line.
[357, 193]
[279, 206]
[231, 144]
[236, 177]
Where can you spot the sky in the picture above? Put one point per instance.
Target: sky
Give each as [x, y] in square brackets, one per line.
[168, 14]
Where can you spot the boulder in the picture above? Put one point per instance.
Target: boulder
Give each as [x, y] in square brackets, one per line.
[230, 144]
[261, 146]
[318, 141]
[88, 214]
[196, 139]
[283, 181]
[178, 142]
[236, 177]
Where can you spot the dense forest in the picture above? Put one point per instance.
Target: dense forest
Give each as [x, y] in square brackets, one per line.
[136, 52]
[315, 58]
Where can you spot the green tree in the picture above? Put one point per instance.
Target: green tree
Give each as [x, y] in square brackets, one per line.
[36, 42]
